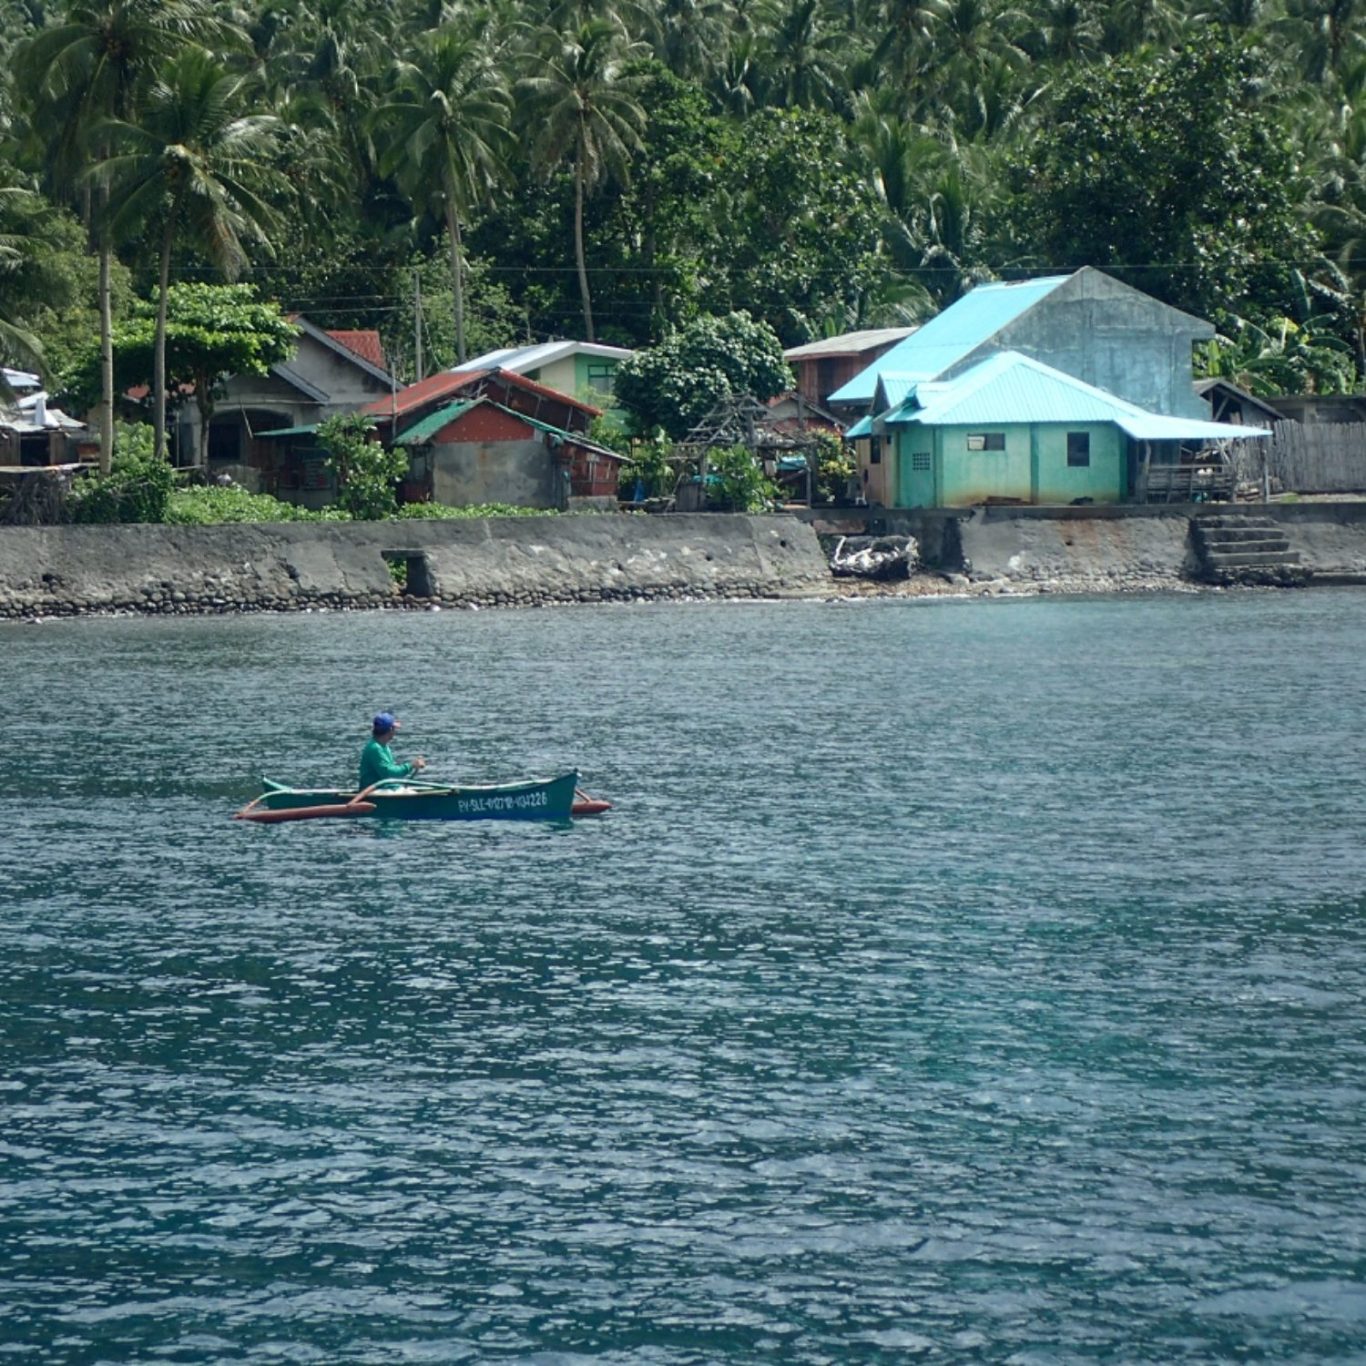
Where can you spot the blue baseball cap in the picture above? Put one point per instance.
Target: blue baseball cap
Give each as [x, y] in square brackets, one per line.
[385, 721]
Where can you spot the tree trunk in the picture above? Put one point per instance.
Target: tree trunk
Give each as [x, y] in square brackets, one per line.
[106, 410]
[457, 271]
[578, 247]
[159, 355]
[104, 419]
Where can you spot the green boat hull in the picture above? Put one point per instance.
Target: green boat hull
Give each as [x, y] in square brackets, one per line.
[545, 799]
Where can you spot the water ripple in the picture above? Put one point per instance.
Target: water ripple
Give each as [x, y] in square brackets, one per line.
[975, 983]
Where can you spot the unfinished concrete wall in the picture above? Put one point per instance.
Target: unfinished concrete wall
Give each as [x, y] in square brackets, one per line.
[521, 473]
[1114, 337]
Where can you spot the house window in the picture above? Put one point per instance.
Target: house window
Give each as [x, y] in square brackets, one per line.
[602, 378]
[986, 441]
[1078, 449]
[875, 450]
[920, 460]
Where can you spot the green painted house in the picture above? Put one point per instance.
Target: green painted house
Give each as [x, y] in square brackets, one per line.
[997, 399]
[585, 370]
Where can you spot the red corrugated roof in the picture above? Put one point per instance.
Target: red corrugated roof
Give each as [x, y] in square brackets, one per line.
[521, 382]
[364, 342]
[438, 387]
[428, 390]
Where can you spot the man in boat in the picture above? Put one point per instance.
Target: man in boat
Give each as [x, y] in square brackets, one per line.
[377, 759]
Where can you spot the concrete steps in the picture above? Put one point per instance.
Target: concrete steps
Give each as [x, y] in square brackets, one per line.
[1246, 548]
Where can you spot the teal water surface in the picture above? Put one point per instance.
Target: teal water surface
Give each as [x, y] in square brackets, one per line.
[971, 981]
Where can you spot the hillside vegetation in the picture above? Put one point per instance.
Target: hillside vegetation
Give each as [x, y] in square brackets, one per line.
[465, 177]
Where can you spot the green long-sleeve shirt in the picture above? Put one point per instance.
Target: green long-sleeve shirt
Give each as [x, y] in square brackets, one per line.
[377, 761]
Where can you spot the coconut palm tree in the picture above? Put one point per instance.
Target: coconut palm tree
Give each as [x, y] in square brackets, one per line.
[583, 107]
[85, 71]
[1326, 33]
[448, 135]
[908, 28]
[192, 164]
[692, 36]
[17, 344]
[804, 58]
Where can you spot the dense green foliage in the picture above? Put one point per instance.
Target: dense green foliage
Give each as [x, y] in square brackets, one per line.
[835, 468]
[367, 473]
[443, 512]
[735, 483]
[621, 169]
[1164, 172]
[211, 505]
[138, 487]
[675, 384]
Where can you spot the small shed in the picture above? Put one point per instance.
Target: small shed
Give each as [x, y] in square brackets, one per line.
[824, 366]
[33, 432]
[1228, 402]
[476, 450]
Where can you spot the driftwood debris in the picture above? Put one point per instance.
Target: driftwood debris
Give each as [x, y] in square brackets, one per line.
[874, 557]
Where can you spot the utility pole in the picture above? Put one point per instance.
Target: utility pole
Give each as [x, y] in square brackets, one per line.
[417, 323]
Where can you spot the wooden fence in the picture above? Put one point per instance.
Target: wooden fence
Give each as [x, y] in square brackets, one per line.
[1322, 458]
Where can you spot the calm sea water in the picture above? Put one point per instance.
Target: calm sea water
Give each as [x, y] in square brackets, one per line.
[970, 981]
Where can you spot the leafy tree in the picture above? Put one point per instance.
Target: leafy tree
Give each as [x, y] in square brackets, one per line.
[676, 384]
[367, 472]
[652, 472]
[835, 467]
[735, 481]
[195, 164]
[18, 345]
[49, 282]
[1173, 174]
[211, 332]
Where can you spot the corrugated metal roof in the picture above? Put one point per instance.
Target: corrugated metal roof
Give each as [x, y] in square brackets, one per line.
[520, 359]
[1154, 427]
[848, 343]
[863, 427]
[893, 389]
[308, 430]
[960, 328]
[1011, 387]
[428, 426]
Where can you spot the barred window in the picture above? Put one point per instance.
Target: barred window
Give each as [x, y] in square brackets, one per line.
[1078, 449]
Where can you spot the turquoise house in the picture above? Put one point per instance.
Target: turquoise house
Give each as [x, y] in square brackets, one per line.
[1012, 429]
[1070, 388]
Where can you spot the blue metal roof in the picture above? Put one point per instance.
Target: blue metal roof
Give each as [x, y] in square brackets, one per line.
[863, 427]
[893, 388]
[1011, 388]
[945, 339]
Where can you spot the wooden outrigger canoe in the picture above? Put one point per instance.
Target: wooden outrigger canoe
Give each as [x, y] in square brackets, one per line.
[404, 799]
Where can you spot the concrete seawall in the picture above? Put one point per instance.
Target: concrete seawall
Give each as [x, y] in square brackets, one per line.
[514, 561]
[1101, 549]
[529, 561]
